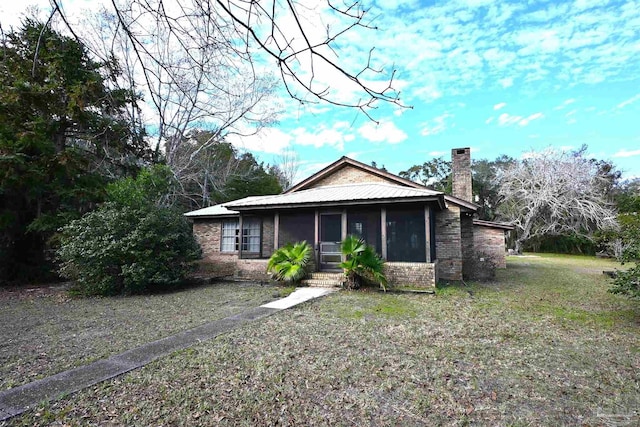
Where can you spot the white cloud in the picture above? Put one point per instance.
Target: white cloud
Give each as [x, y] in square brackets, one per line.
[499, 105]
[627, 153]
[629, 101]
[437, 153]
[507, 82]
[529, 119]
[386, 131]
[436, 125]
[268, 140]
[489, 120]
[564, 104]
[506, 119]
[321, 135]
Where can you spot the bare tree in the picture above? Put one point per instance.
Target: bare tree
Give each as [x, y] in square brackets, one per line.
[302, 38]
[554, 192]
[288, 163]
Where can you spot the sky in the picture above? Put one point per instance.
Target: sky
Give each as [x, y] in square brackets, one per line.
[500, 77]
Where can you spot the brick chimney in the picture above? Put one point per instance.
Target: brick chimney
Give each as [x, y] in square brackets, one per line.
[461, 172]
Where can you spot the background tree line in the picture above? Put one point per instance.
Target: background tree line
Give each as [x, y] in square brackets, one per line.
[68, 129]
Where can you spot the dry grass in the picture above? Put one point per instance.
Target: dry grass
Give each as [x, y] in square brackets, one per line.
[543, 345]
[45, 331]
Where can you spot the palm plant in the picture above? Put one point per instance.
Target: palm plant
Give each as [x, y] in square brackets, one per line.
[288, 264]
[362, 263]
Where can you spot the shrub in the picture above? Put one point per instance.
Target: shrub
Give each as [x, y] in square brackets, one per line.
[289, 263]
[628, 238]
[121, 250]
[362, 263]
[134, 243]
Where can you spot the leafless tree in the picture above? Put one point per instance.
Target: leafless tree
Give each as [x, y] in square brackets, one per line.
[288, 163]
[301, 37]
[554, 192]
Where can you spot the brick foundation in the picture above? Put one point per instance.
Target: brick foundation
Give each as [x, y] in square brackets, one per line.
[419, 274]
[252, 269]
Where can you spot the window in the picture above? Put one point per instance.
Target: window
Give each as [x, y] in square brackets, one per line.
[251, 235]
[230, 233]
[406, 235]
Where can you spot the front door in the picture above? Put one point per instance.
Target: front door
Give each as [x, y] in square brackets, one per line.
[330, 236]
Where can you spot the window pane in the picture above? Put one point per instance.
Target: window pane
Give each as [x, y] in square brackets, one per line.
[251, 235]
[229, 236]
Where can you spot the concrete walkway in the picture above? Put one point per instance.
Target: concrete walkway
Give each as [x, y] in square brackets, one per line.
[20, 399]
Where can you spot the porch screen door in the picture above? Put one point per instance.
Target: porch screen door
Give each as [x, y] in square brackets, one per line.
[330, 236]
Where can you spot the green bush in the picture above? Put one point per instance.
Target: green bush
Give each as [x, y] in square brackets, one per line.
[121, 250]
[135, 243]
[627, 241]
[289, 263]
[362, 263]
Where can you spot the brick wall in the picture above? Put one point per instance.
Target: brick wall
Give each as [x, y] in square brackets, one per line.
[418, 274]
[491, 242]
[252, 269]
[267, 236]
[466, 244]
[208, 233]
[349, 175]
[461, 173]
[448, 244]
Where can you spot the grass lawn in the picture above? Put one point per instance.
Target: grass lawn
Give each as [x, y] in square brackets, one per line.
[44, 331]
[545, 344]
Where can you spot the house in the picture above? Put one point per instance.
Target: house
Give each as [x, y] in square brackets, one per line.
[424, 235]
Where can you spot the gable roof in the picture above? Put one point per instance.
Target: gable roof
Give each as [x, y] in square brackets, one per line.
[344, 161]
[346, 194]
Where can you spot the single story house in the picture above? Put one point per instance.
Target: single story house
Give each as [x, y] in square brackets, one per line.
[424, 235]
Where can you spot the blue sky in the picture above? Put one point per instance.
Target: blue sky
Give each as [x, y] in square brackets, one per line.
[500, 77]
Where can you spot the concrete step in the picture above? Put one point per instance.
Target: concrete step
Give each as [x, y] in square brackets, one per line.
[325, 280]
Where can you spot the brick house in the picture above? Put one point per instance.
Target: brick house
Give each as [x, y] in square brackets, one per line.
[424, 235]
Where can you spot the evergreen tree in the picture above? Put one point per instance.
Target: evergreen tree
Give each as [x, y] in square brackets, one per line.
[63, 135]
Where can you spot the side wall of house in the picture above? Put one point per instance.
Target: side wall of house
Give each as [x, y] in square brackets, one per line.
[208, 233]
[467, 245]
[448, 244]
[348, 175]
[490, 241]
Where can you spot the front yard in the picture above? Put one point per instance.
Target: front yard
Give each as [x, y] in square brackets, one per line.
[44, 331]
[545, 344]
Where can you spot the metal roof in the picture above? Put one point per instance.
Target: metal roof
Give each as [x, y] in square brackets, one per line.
[493, 224]
[216, 210]
[344, 194]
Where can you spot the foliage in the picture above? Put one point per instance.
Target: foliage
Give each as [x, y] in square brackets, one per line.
[215, 172]
[62, 137]
[555, 193]
[627, 240]
[151, 187]
[362, 263]
[132, 244]
[627, 196]
[435, 173]
[486, 188]
[289, 263]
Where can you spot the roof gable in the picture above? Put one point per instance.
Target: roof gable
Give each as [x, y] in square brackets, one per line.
[349, 171]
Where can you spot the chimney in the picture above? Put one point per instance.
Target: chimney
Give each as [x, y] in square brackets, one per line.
[461, 171]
